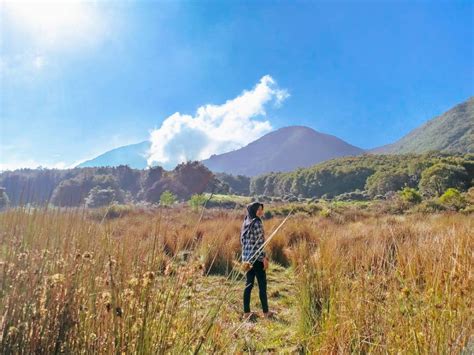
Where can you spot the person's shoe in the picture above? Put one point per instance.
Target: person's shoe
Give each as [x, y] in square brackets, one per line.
[269, 314]
[249, 317]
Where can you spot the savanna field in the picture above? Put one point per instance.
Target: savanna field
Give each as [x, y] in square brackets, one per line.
[167, 280]
[150, 150]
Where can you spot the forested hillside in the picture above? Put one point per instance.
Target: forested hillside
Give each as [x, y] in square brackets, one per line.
[432, 173]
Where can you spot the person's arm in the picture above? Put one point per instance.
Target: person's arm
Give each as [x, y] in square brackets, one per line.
[259, 240]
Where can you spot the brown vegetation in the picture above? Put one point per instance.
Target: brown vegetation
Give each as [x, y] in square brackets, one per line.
[74, 281]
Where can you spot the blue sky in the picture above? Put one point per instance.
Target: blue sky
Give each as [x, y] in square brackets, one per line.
[80, 78]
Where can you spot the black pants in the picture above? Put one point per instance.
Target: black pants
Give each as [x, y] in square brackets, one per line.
[256, 270]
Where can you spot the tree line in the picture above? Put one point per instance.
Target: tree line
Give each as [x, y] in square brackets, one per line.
[100, 186]
[361, 177]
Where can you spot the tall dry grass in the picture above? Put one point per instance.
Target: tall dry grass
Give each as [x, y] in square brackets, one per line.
[72, 284]
[74, 281]
[388, 285]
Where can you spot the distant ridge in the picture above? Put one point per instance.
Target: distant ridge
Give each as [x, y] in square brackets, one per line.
[133, 155]
[453, 131]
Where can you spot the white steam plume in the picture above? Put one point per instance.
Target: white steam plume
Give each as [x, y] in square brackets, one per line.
[215, 129]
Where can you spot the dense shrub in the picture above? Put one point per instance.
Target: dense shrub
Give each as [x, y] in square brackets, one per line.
[167, 198]
[226, 204]
[429, 206]
[98, 197]
[453, 199]
[353, 196]
[113, 211]
[410, 195]
[196, 201]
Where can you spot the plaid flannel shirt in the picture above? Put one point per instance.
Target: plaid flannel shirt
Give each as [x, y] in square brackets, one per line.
[252, 242]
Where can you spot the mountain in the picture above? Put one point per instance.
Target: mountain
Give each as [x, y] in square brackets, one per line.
[282, 150]
[133, 155]
[453, 131]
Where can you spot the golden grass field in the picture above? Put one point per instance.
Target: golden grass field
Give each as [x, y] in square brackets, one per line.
[163, 281]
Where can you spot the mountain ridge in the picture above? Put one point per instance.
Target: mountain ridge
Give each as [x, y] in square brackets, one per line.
[452, 131]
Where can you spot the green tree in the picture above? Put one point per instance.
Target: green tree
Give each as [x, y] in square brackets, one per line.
[239, 185]
[441, 176]
[167, 198]
[257, 185]
[196, 201]
[74, 191]
[384, 181]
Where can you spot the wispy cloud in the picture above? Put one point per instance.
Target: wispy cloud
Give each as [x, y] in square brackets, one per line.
[215, 129]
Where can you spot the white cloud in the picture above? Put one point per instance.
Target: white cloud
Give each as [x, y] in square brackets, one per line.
[215, 129]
